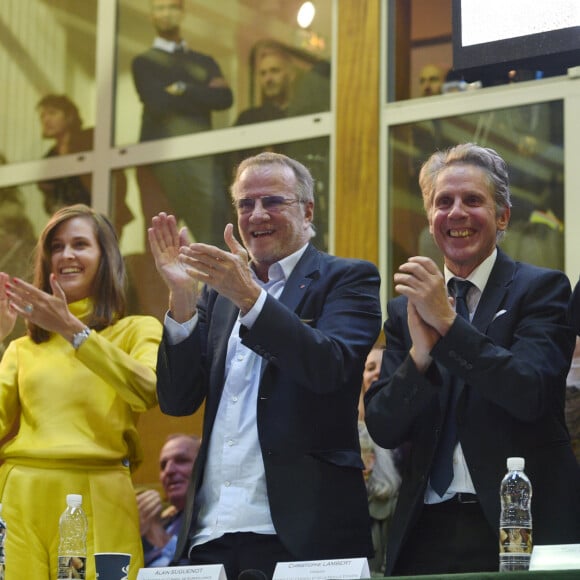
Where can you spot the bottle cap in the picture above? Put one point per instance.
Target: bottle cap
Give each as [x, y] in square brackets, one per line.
[516, 463]
[74, 500]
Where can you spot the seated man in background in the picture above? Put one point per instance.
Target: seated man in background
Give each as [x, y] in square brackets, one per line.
[159, 525]
[275, 74]
[431, 79]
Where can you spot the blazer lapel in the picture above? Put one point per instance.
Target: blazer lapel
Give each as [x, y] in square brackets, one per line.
[307, 269]
[497, 285]
[499, 281]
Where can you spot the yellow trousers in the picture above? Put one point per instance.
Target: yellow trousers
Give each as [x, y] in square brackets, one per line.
[33, 498]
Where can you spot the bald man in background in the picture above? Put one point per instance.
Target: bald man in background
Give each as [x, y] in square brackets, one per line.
[160, 522]
[431, 79]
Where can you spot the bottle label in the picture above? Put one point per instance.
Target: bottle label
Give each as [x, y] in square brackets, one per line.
[72, 567]
[515, 540]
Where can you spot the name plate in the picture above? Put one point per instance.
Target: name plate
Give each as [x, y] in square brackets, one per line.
[556, 557]
[209, 572]
[348, 568]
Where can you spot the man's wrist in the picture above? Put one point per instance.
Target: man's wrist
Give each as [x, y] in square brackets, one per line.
[422, 361]
[255, 308]
[182, 305]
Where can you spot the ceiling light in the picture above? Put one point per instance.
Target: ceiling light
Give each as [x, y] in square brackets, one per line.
[306, 14]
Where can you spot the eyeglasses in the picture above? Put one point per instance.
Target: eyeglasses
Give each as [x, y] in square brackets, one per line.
[270, 203]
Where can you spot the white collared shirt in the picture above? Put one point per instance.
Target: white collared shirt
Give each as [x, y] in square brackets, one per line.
[462, 481]
[233, 495]
[168, 45]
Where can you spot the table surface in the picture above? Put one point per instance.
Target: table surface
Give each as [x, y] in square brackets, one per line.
[535, 575]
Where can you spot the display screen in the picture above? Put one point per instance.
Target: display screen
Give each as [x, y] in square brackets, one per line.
[497, 35]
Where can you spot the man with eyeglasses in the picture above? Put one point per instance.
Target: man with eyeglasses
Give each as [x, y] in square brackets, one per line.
[274, 344]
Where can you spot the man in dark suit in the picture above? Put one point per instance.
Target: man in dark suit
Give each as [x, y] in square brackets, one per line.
[483, 383]
[180, 88]
[275, 347]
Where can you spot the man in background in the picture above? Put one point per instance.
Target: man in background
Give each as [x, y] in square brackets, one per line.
[159, 525]
[431, 79]
[179, 89]
[274, 75]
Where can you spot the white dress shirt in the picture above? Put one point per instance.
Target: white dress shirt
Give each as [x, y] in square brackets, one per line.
[233, 495]
[168, 45]
[461, 481]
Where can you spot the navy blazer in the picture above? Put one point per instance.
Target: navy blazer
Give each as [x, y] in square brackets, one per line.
[314, 340]
[514, 358]
[574, 309]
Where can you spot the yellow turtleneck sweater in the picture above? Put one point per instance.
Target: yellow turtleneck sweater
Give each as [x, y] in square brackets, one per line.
[79, 405]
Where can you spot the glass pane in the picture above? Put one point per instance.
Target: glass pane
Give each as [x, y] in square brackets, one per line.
[62, 191]
[121, 211]
[315, 154]
[47, 48]
[22, 217]
[204, 211]
[420, 49]
[420, 54]
[529, 138]
[242, 61]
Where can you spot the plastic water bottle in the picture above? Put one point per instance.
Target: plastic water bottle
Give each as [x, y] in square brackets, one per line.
[515, 520]
[2, 544]
[72, 547]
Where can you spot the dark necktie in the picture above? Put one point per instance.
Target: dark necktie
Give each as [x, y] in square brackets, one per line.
[442, 470]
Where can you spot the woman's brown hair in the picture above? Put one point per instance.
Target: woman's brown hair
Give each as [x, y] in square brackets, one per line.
[110, 280]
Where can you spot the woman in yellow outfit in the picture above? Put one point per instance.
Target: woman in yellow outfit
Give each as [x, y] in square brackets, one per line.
[75, 384]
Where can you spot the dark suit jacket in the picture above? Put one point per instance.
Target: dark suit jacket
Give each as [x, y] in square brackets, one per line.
[574, 309]
[514, 359]
[314, 341]
[166, 115]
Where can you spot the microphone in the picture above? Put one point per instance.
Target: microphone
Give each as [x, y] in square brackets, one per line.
[251, 574]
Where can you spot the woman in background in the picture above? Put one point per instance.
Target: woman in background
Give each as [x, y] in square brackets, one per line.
[75, 385]
[381, 471]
